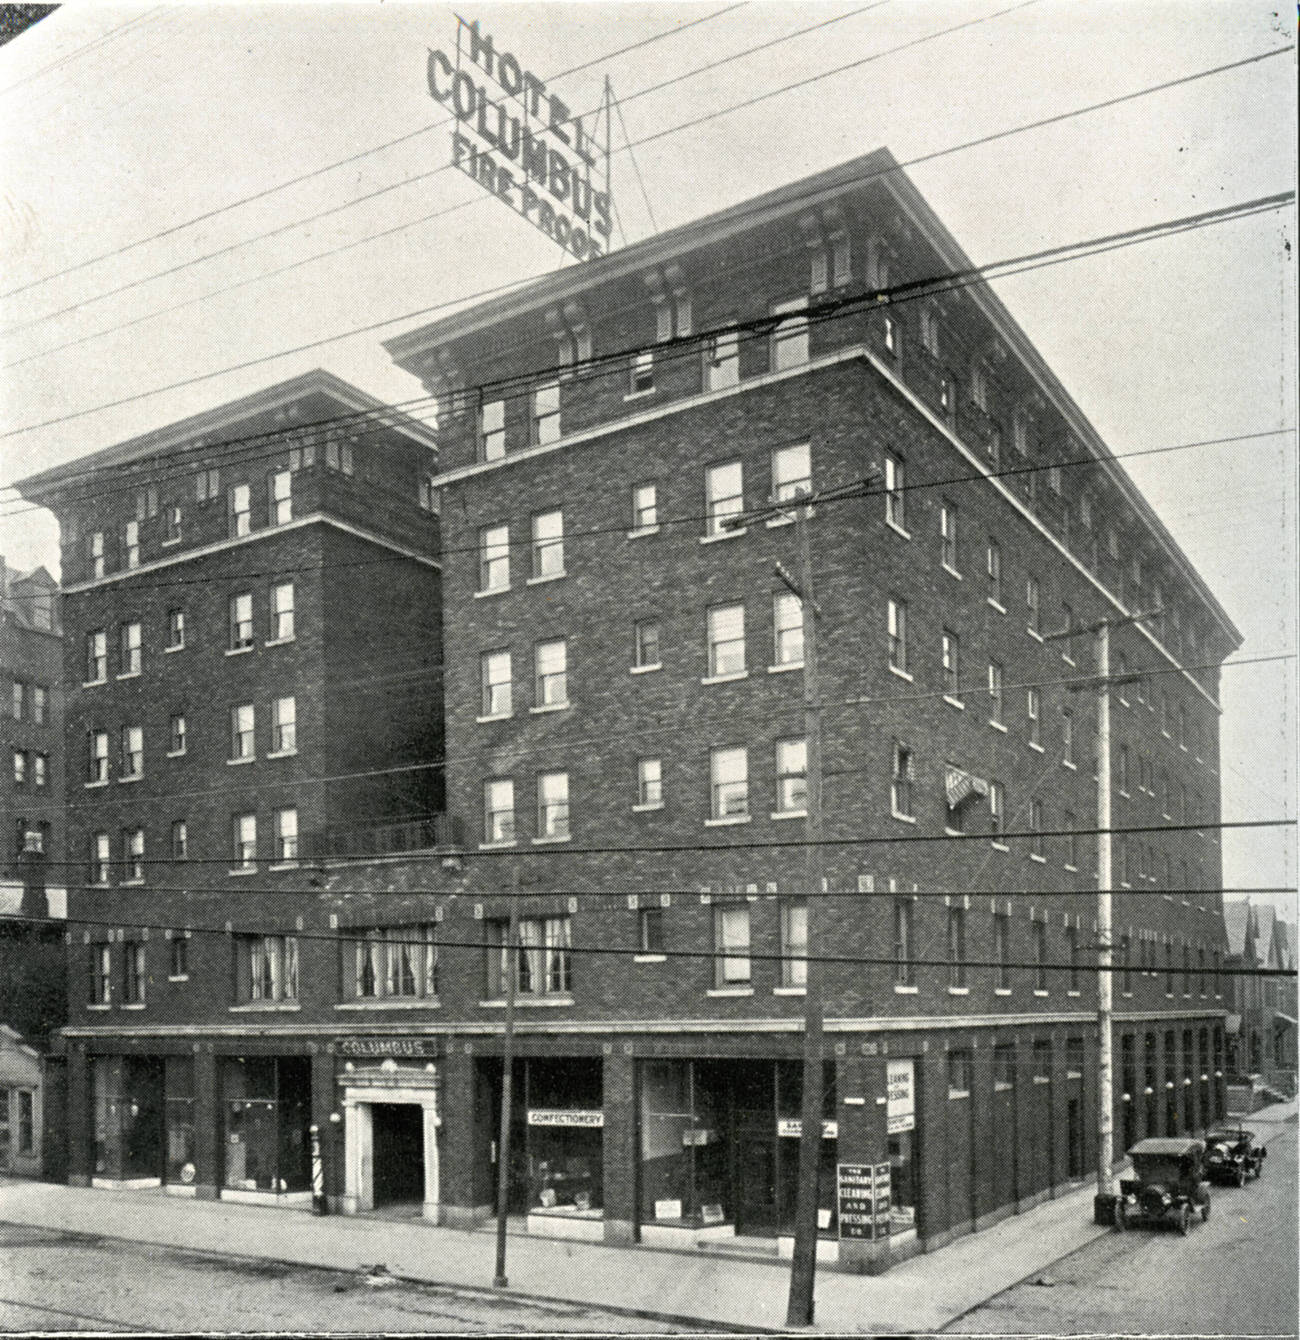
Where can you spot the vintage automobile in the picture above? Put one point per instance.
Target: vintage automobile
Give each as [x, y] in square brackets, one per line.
[1232, 1156]
[1168, 1184]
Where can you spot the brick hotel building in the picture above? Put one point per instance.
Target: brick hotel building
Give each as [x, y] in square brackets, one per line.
[614, 719]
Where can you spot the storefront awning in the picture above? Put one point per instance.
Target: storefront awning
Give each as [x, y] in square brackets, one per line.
[960, 784]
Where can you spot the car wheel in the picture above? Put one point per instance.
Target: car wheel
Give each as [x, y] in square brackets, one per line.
[1184, 1220]
[1239, 1177]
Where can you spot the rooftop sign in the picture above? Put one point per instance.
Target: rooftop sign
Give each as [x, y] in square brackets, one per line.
[526, 148]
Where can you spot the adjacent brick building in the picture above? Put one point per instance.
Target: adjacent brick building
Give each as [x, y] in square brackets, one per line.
[622, 676]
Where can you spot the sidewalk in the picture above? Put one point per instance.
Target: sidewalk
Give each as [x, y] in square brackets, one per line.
[920, 1295]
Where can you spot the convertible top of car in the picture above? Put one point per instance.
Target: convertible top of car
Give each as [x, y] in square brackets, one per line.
[1219, 1136]
[1167, 1148]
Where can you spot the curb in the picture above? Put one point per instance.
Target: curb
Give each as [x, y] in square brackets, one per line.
[696, 1325]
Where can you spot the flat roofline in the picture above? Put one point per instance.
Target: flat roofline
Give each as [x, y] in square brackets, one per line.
[316, 382]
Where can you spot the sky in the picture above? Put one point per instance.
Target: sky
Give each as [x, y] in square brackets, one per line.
[119, 123]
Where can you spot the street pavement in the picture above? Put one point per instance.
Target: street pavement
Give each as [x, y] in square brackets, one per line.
[1235, 1275]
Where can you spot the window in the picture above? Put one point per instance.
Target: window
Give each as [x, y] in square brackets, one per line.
[20, 767]
[1200, 971]
[641, 373]
[393, 962]
[96, 656]
[729, 781]
[957, 947]
[286, 836]
[132, 759]
[930, 330]
[979, 387]
[178, 957]
[208, 485]
[180, 840]
[995, 693]
[959, 1074]
[99, 858]
[542, 960]
[133, 856]
[499, 810]
[492, 430]
[134, 973]
[131, 544]
[995, 571]
[723, 495]
[726, 633]
[789, 335]
[1187, 970]
[951, 665]
[794, 942]
[266, 969]
[645, 644]
[791, 776]
[898, 657]
[428, 493]
[239, 510]
[1002, 951]
[900, 786]
[175, 629]
[279, 490]
[241, 621]
[1076, 957]
[546, 414]
[284, 725]
[245, 841]
[1004, 1067]
[895, 491]
[649, 783]
[97, 769]
[1070, 822]
[1042, 1058]
[95, 553]
[242, 735]
[338, 455]
[650, 930]
[731, 944]
[494, 558]
[1067, 738]
[722, 361]
[1067, 626]
[282, 612]
[787, 625]
[1033, 603]
[550, 684]
[101, 974]
[791, 472]
[645, 513]
[903, 970]
[997, 809]
[40, 768]
[1182, 727]
[176, 734]
[40, 704]
[495, 681]
[129, 658]
[548, 545]
[1034, 711]
[1122, 770]
[553, 805]
[18, 695]
[948, 536]
[1036, 828]
[1039, 931]
[175, 518]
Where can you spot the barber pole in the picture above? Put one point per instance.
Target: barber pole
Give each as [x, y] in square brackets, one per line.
[318, 1202]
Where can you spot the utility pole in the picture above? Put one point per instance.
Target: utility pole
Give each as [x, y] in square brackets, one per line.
[1105, 1202]
[499, 1279]
[803, 1268]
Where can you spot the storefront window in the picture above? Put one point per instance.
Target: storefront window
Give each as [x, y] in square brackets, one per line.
[179, 1103]
[267, 1109]
[126, 1097]
[565, 1136]
[901, 1108]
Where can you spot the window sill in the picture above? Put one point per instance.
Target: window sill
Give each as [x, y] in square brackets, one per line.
[1042, 1079]
[959, 991]
[1034, 856]
[491, 591]
[639, 531]
[265, 1007]
[647, 809]
[1038, 749]
[132, 884]
[1069, 660]
[239, 762]
[242, 870]
[167, 651]
[167, 543]
[645, 669]
[550, 841]
[726, 992]
[99, 1006]
[549, 707]
[1001, 609]
[727, 678]
[639, 395]
[404, 1003]
[900, 990]
[546, 577]
[954, 702]
[240, 651]
[727, 820]
[283, 865]
[92, 683]
[789, 814]
[1035, 634]
[280, 641]
[649, 958]
[130, 674]
[496, 846]
[129, 778]
[952, 572]
[1074, 995]
[1073, 767]
[998, 725]
[999, 846]
[779, 521]
[1041, 993]
[902, 674]
[781, 669]
[283, 753]
[952, 832]
[1073, 869]
[902, 818]
[180, 977]
[1001, 990]
[175, 753]
[133, 1005]
[495, 716]
[897, 529]
[90, 786]
[528, 1002]
[718, 536]
[789, 990]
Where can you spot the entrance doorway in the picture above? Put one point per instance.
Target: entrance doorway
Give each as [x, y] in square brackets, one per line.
[398, 1154]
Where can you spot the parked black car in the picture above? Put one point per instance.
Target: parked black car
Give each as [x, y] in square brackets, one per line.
[1232, 1156]
[1168, 1184]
